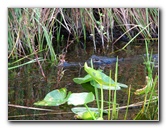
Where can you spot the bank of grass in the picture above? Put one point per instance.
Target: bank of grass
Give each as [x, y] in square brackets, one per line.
[41, 29]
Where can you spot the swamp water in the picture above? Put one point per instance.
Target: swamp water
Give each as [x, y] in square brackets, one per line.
[26, 86]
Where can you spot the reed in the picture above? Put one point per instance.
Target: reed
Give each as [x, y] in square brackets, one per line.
[42, 29]
[82, 12]
[29, 29]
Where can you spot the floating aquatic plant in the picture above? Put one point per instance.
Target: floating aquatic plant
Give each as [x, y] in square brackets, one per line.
[54, 98]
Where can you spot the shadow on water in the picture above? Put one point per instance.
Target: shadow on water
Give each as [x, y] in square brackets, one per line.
[26, 86]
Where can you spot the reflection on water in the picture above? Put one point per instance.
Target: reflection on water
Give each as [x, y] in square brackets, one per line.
[27, 86]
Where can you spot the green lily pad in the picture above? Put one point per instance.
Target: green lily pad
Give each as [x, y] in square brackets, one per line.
[54, 98]
[84, 114]
[81, 98]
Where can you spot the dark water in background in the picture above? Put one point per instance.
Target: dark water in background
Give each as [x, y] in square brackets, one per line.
[26, 85]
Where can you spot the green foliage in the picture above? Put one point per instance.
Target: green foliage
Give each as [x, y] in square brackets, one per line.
[149, 110]
[80, 98]
[54, 98]
[11, 65]
[99, 80]
[85, 79]
[82, 113]
[28, 30]
[32, 29]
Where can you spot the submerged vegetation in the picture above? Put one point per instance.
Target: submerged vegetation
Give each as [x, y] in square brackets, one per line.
[38, 35]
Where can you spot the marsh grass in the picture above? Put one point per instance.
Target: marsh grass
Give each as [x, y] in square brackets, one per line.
[27, 31]
[41, 28]
[150, 106]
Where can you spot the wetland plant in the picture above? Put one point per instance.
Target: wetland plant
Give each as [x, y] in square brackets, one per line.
[149, 110]
[96, 80]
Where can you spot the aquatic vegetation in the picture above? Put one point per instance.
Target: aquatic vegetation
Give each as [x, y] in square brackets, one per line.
[98, 80]
[148, 112]
[54, 98]
[80, 98]
[38, 35]
[82, 113]
[95, 81]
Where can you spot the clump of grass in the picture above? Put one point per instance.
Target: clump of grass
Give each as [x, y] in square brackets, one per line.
[127, 17]
[149, 110]
[28, 29]
[42, 28]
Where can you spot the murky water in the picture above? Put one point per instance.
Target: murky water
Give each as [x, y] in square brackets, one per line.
[26, 86]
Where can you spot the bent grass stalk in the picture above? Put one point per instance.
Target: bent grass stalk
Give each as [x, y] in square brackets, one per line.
[143, 28]
[29, 62]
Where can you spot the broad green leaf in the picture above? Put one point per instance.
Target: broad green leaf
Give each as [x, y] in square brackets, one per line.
[54, 98]
[98, 76]
[85, 79]
[89, 86]
[103, 79]
[80, 98]
[105, 87]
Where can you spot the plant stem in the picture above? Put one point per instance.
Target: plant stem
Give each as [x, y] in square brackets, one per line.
[109, 101]
[102, 102]
[97, 98]
[114, 114]
[128, 101]
[90, 112]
